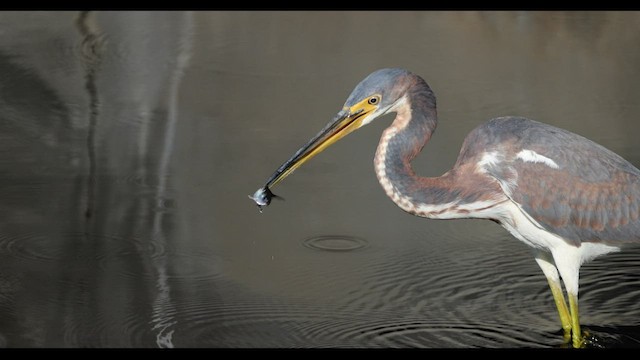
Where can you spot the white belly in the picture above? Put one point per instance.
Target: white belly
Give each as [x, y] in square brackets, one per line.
[526, 229]
[567, 257]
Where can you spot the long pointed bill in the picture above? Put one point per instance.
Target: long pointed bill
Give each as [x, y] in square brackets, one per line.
[344, 123]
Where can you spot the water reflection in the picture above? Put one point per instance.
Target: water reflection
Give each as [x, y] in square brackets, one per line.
[129, 141]
[118, 219]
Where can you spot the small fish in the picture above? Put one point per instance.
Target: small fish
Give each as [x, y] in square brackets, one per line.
[342, 124]
[263, 197]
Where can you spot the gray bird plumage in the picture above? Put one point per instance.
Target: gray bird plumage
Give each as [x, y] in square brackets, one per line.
[593, 195]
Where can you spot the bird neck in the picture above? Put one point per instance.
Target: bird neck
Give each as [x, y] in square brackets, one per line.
[445, 197]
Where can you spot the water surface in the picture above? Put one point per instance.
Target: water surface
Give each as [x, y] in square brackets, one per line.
[130, 140]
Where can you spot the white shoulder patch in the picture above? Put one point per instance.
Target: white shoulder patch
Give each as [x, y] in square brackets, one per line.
[534, 157]
[488, 159]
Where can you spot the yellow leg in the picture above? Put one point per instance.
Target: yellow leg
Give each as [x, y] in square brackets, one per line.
[565, 318]
[577, 339]
[547, 264]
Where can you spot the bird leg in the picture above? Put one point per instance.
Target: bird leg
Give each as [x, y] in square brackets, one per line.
[546, 263]
[568, 266]
[563, 311]
[577, 339]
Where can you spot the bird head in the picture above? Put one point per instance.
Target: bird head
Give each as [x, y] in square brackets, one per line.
[378, 94]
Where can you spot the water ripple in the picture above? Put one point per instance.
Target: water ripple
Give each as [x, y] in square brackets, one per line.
[31, 246]
[179, 266]
[103, 330]
[253, 325]
[336, 243]
[409, 298]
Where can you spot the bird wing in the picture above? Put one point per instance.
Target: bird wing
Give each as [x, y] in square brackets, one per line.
[570, 185]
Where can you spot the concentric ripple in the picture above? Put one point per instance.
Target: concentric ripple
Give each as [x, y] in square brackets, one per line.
[32, 247]
[403, 298]
[151, 254]
[256, 324]
[249, 324]
[407, 332]
[336, 243]
[105, 330]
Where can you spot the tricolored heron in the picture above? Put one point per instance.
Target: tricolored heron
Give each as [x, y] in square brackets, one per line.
[567, 197]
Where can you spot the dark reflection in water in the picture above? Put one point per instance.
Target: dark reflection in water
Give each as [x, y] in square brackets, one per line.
[129, 141]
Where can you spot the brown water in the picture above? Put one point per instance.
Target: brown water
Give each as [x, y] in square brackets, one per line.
[129, 142]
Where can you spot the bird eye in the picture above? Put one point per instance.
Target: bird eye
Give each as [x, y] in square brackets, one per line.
[374, 100]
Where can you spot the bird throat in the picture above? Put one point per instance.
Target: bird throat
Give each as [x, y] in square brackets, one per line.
[441, 197]
[400, 143]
